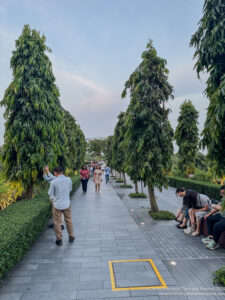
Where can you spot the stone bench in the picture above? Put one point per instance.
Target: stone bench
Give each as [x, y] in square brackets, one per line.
[205, 232]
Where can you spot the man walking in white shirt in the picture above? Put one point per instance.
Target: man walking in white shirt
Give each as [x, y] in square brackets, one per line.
[59, 193]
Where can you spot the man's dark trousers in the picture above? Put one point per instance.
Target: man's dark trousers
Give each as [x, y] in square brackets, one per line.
[215, 226]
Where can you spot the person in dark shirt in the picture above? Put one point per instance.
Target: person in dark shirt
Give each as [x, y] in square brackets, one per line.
[189, 201]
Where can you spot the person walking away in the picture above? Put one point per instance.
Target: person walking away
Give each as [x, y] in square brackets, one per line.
[84, 177]
[59, 193]
[107, 174]
[49, 177]
[97, 178]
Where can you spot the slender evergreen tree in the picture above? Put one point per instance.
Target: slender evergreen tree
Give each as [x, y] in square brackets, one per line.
[81, 147]
[209, 41]
[186, 136]
[108, 154]
[148, 129]
[34, 129]
[118, 147]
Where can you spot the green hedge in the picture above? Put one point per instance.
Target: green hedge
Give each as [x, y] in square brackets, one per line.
[20, 225]
[206, 188]
[162, 215]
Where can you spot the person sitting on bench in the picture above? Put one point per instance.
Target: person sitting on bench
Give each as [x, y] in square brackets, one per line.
[215, 223]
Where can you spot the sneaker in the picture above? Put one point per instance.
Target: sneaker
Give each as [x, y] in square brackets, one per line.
[212, 245]
[58, 242]
[71, 239]
[189, 230]
[207, 240]
[62, 227]
[195, 233]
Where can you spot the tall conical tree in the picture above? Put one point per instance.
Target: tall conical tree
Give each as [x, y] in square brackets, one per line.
[186, 136]
[209, 41]
[34, 130]
[118, 147]
[81, 147]
[148, 128]
[72, 143]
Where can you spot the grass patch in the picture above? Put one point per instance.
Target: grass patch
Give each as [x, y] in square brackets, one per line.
[20, 225]
[219, 276]
[162, 215]
[137, 195]
[126, 186]
[119, 181]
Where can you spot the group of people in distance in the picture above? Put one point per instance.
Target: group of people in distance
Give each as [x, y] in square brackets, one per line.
[96, 172]
[198, 206]
[59, 194]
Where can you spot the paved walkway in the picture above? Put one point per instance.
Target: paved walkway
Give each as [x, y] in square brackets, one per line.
[107, 229]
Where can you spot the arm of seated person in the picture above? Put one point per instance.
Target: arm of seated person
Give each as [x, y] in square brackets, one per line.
[213, 211]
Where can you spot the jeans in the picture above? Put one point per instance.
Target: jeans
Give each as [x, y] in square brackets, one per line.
[215, 225]
[106, 178]
[84, 184]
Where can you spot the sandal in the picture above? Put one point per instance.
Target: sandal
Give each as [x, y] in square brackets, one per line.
[177, 220]
[181, 227]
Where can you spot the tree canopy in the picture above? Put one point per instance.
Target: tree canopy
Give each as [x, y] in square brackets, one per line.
[186, 136]
[149, 132]
[209, 41]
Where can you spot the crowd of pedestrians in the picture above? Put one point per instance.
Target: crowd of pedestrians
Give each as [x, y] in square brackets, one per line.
[197, 207]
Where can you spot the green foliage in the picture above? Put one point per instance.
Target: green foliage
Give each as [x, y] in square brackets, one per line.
[148, 135]
[97, 146]
[186, 136]
[71, 134]
[20, 225]
[162, 215]
[119, 181]
[108, 154]
[206, 188]
[137, 195]
[201, 161]
[118, 148]
[209, 43]
[219, 276]
[34, 129]
[201, 175]
[126, 186]
[81, 148]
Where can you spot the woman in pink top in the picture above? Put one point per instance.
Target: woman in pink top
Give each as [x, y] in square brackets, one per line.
[97, 178]
[84, 177]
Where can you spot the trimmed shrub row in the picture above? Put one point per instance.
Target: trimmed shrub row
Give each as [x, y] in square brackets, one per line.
[20, 225]
[210, 189]
[162, 215]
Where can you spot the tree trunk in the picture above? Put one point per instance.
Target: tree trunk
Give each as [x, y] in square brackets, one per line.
[153, 202]
[136, 187]
[142, 187]
[120, 176]
[29, 192]
[124, 178]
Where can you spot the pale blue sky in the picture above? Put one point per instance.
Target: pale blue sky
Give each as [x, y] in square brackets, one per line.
[96, 45]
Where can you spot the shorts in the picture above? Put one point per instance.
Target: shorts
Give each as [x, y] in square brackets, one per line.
[200, 214]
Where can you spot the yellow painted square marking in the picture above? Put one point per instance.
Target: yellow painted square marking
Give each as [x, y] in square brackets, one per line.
[150, 261]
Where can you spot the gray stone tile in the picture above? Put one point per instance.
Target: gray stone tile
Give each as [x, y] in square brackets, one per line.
[64, 295]
[101, 294]
[10, 296]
